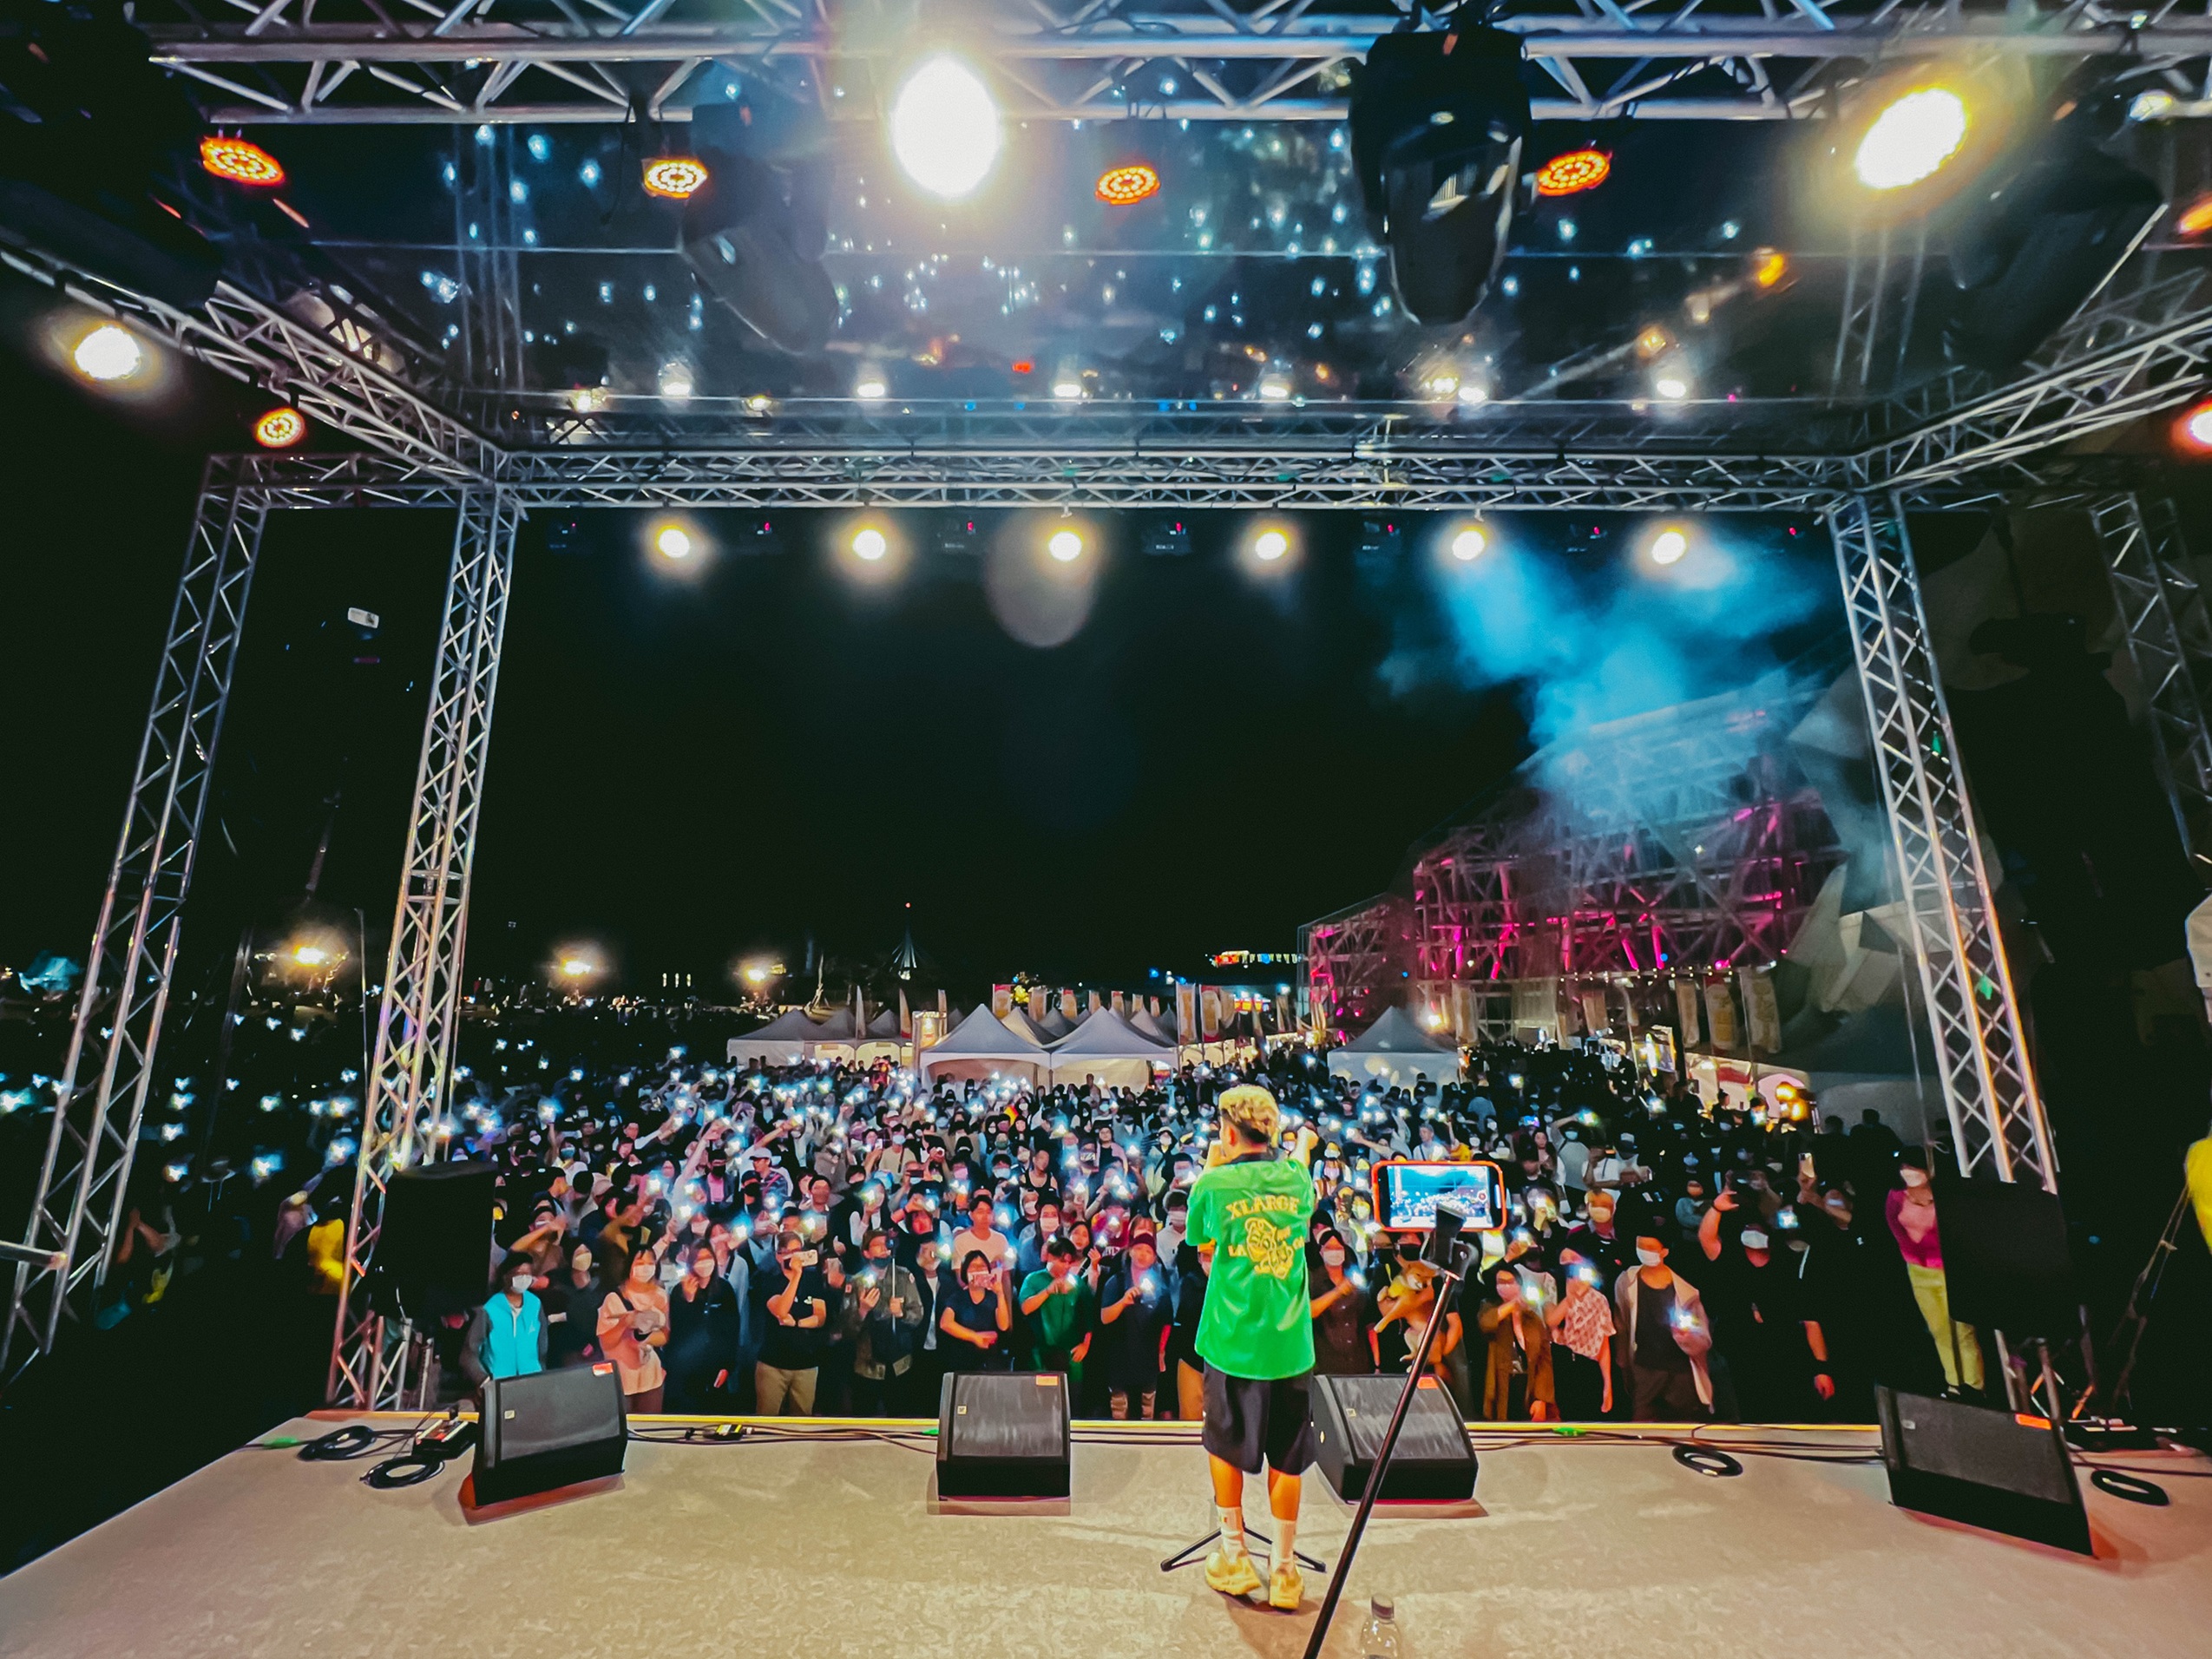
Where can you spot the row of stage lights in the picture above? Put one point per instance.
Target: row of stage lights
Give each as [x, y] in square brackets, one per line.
[109, 355]
[1268, 544]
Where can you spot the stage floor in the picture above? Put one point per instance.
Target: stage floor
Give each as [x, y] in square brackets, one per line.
[813, 1547]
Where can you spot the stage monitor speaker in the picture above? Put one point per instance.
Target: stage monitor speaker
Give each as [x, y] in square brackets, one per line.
[551, 1430]
[433, 1254]
[1434, 1461]
[2000, 1470]
[2006, 1264]
[1003, 1434]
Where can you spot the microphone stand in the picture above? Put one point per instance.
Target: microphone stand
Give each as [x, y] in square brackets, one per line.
[1450, 1265]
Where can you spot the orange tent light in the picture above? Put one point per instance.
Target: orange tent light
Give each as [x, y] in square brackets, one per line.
[1563, 175]
[280, 428]
[674, 177]
[1126, 186]
[240, 161]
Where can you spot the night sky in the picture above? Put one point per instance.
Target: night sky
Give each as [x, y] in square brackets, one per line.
[685, 770]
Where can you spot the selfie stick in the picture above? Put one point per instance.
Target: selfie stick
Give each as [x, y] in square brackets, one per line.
[1443, 1254]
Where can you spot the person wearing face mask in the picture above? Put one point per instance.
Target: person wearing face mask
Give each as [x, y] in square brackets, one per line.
[1344, 1312]
[1775, 1350]
[1910, 1210]
[976, 1320]
[1517, 1384]
[1581, 1323]
[1663, 1339]
[570, 1299]
[507, 1335]
[1030, 1258]
[703, 1332]
[634, 1328]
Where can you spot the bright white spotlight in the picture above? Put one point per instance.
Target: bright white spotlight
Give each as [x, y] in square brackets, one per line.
[1469, 544]
[107, 353]
[1271, 545]
[1274, 389]
[676, 381]
[1913, 136]
[1473, 392]
[868, 543]
[1671, 384]
[1065, 545]
[1668, 546]
[871, 388]
[2194, 429]
[1067, 391]
[672, 542]
[945, 128]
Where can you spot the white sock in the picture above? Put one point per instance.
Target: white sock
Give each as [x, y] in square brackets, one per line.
[1286, 1534]
[1233, 1532]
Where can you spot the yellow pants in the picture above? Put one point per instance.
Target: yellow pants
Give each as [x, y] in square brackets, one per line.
[1956, 1345]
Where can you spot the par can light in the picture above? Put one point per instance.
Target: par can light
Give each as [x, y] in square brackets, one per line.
[1914, 135]
[108, 354]
[675, 177]
[240, 161]
[280, 427]
[945, 128]
[1575, 171]
[2193, 431]
[1127, 185]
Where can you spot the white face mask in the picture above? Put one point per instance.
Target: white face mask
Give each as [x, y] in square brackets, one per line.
[1914, 1177]
[519, 1283]
[1335, 1258]
[1754, 1240]
[1649, 1258]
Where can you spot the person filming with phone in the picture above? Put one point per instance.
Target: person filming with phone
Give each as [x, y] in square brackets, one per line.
[794, 1303]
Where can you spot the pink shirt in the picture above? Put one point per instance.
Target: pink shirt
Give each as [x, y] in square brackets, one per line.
[1926, 1251]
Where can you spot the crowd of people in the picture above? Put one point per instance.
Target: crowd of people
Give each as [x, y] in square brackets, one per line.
[823, 1240]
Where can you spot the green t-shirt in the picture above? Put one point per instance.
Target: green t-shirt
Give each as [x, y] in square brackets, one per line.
[1062, 1320]
[1258, 1322]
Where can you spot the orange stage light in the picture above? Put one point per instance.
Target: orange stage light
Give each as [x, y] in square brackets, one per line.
[280, 428]
[1126, 186]
[2193, 431]
[674, 177]
[1563, 175]
[241, 162]
[2196, 219]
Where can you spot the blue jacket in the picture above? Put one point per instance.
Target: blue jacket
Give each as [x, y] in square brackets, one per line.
[509, 1341]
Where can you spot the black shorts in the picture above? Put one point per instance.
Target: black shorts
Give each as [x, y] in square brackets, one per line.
[1249, 1419]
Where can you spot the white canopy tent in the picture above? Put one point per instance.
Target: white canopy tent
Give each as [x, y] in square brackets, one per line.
[1106, 1047]
[1054, 1024]
[795, 1035]
[782, 1042]
[982, 1046]
[1395, 1051]
[1145, 1025]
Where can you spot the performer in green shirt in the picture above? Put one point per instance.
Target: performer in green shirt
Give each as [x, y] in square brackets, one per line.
[1249, 1215]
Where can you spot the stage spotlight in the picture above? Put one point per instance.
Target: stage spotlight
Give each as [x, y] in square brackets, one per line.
[1438, 119]
[1577, 170]
[945, 128]
[676, 382]
[675, 177]
[1271, 545]
[108, 353]
[2193, 431]
[1915, 133]
[1274, 389]
[1127, 185]
[869, 543]
[1671, 381]
[1473, 391]
[1469, 544]
[1066, 545]
[1068, 389]
[1668, 546]
[280, 427]
[240, 161]
[673, 542]
[870, 388]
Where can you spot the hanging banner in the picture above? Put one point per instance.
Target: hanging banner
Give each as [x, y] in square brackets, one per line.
[1002, 1001]
[1209, 1012]
[1097, 1002]
[1152, 1006]
[1067, 1004]
[1536, 1004]
[1685, 1006]
[1595, 1019]
[1657, 1046]
[1719, 1014]
[906, 1015]
[1760, 1012]
[1187, 1012]
[1118, 1003]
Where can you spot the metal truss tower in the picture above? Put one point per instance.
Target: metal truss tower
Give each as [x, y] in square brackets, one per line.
[1981, 1053]
[2168, 630]
[82, 1194]
[410, 1079]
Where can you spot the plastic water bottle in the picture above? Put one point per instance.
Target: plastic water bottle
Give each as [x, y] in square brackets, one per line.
[1379, 1639]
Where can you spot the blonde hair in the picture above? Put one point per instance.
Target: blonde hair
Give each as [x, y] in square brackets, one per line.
[1253, 1109]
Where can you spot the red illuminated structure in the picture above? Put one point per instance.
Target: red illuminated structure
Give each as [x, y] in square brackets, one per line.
[1684, 841]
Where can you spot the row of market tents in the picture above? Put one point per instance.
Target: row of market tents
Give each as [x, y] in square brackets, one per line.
[1117, 1051]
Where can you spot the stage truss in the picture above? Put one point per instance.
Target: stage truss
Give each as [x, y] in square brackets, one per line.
[1858, 463]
